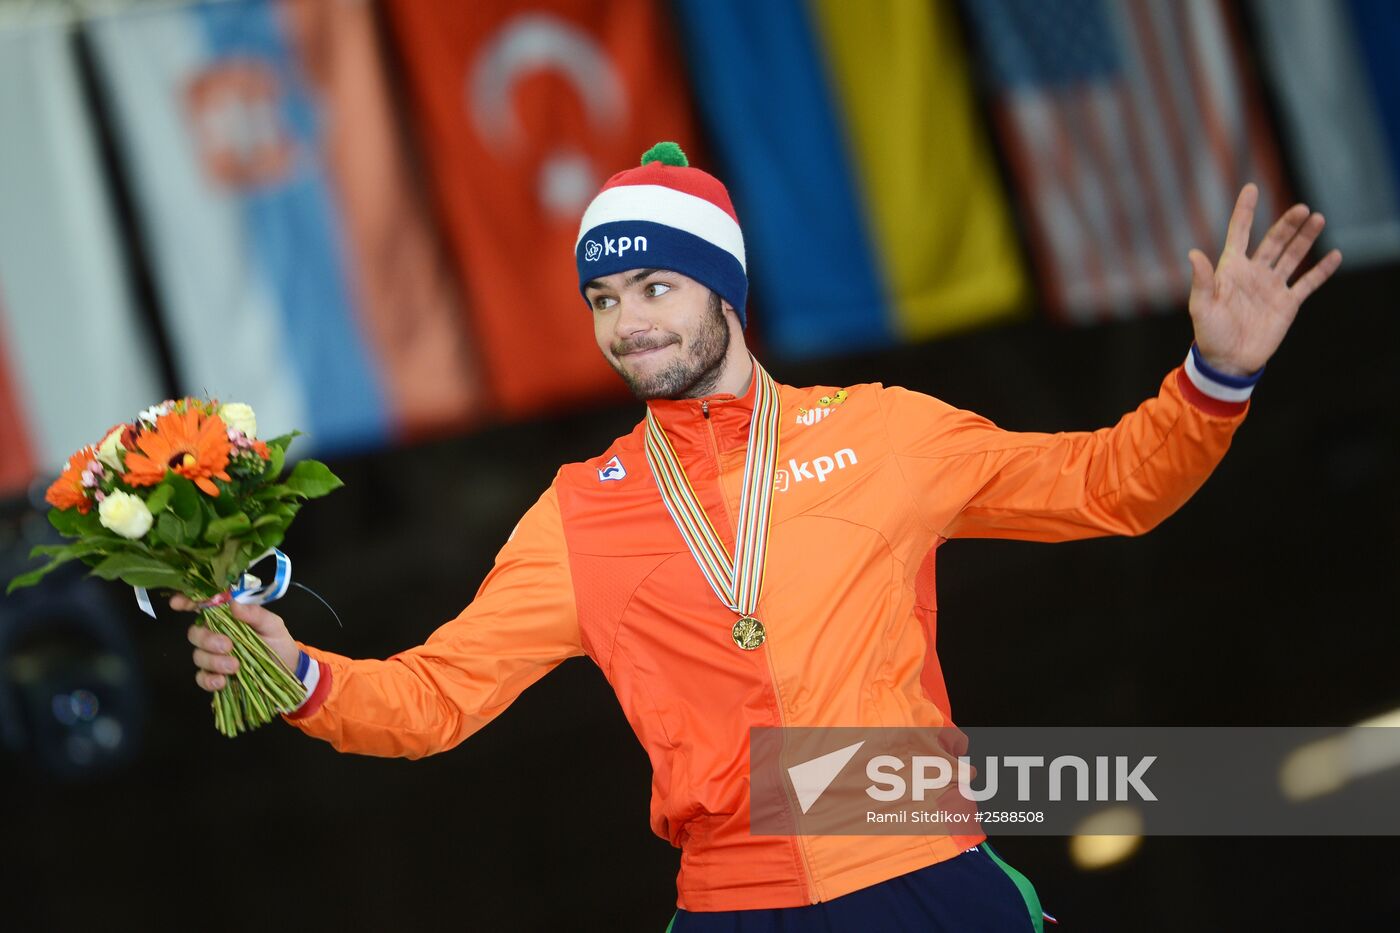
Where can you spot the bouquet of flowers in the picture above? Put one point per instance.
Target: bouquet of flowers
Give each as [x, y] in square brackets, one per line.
[185, 498]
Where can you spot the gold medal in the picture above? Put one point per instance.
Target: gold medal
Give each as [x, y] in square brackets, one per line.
[748, 633]
[735, 579]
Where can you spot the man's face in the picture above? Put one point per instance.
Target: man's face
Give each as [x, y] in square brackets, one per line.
[664, 333]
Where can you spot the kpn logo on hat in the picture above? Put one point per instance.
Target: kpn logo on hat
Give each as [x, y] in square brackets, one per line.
[665, 215]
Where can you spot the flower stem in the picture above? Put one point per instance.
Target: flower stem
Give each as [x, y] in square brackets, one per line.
[262, 688]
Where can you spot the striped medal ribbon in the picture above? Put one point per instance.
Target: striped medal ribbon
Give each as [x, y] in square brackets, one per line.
[736, 580]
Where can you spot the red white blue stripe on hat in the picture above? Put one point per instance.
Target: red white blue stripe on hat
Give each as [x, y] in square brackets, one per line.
[665, 215]
[669, 207]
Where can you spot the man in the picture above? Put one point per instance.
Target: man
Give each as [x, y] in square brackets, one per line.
[754, 554]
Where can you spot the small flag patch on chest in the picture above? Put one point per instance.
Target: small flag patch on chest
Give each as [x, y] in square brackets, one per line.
[613, 469]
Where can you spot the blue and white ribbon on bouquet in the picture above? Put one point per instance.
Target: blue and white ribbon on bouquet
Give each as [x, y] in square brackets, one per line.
[249, 590]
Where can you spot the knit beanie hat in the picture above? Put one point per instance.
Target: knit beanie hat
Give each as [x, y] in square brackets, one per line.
[665, 215]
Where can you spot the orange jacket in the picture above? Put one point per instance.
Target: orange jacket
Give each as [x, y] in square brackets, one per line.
[870, 484]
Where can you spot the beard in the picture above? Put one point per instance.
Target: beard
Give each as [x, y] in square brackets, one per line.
[695, 373]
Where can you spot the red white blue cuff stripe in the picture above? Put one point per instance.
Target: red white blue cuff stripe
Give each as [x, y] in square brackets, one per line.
[1214, 384]
[317, 682]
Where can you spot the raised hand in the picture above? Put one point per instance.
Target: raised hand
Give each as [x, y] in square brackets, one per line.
[1243, 306]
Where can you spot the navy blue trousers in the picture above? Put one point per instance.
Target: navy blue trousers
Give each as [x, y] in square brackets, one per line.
[969, 893]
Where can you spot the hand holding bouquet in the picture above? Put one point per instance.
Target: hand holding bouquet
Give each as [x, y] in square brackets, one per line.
[185, 498]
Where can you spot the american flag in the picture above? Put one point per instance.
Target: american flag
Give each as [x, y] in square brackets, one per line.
[1130, 127]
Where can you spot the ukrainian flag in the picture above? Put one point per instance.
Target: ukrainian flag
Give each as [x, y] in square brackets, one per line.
[870, 201]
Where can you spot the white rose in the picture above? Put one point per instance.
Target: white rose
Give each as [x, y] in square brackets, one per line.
[108, 450]
[125, 514]
[240, 417]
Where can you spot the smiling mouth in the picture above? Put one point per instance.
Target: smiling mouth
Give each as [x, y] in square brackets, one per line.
[642, 351]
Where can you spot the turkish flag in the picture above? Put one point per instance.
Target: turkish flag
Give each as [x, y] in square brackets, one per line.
[525, 109]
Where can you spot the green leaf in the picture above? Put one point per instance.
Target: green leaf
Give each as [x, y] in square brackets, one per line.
[312, 478]
[65, 520]
[271, 537]
[276, 458]
[76, 549]
[71, 524]
[283, 441]
[151, 579]
[34, 576]
[186, 504]
[171, 531]
[159, 499]
[90, 550]
[118, 565]
[224, 564]
[184, 501]
[225, 504]
[221, 528]
[262, 521]
[250, 549]
[140, 570]
[275, 491]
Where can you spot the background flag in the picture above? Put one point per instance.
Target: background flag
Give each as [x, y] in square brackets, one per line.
[1130, 128]
[1331, 72]
[406, 286]
[526, 109]
[74, 357]
[941, 225]
[866, 186]
[813, 270]
[225, 145]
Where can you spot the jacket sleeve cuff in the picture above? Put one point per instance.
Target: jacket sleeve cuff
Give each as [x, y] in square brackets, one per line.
[1215, 392]
[316, 677]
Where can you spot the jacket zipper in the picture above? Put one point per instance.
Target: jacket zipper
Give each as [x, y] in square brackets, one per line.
[768, 658]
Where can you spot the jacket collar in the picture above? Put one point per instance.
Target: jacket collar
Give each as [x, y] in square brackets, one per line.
[693, 424]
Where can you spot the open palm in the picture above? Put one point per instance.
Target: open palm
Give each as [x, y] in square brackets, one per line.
[1243, 306]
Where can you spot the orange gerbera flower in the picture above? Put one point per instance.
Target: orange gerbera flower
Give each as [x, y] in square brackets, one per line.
[68, 490]
[189, 442]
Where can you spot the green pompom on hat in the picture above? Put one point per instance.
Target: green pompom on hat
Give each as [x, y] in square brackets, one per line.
[667, 153]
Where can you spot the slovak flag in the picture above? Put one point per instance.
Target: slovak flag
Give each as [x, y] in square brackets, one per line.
[293, 262]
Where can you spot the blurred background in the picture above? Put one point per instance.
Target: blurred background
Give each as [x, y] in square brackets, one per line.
[359, 216]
